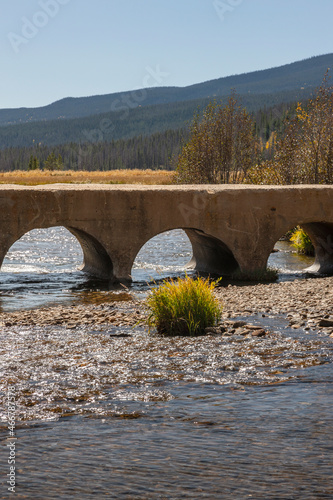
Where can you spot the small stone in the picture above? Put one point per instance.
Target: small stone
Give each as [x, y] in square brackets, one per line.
[259, 333]
[212, 330]
[239, 324]
[120, 335]
[243, 331]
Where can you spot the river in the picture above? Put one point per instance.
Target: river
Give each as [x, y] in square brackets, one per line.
[142, 417]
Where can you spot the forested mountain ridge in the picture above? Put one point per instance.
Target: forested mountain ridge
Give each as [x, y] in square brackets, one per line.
[127, 123]
[294, 77]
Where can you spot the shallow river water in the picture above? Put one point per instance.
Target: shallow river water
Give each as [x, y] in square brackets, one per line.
[142, 417]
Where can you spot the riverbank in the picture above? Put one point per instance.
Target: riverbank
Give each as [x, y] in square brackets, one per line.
[307, 303]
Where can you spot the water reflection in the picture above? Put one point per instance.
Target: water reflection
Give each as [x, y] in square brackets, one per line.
[58, 372]
[148, 417]
[288, 261]
[209, 417]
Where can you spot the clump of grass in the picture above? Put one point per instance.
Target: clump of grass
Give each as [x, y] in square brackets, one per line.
[301, 241]
[183, 307]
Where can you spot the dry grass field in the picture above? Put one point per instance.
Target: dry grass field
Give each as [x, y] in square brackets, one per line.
[35, 177]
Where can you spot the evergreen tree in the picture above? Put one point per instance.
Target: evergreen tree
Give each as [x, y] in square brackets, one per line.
[60, 163]
[33, 163]
[36, 165]
[54, 163]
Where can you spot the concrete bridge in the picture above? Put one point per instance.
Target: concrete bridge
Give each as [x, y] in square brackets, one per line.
[230, 227]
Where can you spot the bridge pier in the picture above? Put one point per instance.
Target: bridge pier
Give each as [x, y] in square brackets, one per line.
[321, 235]
[96, 260]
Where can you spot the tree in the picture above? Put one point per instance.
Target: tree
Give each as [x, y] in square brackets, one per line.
[33, 163]
[222, 145]
[304, 152]
[54, 163]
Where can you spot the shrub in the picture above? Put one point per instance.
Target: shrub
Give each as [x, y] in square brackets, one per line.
[222, 145]
[183, 307]
[301, 241]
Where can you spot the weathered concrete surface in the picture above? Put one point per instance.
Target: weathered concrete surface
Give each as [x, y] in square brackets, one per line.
[230, 227]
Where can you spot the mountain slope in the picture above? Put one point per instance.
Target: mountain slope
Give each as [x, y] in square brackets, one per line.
[127, 123]
[305, 74]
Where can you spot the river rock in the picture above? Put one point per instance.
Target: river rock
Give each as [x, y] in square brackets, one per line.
[325, 323]
[214, 330]
[259, 333]
[120, 335]
[254, 327]
[239, 324]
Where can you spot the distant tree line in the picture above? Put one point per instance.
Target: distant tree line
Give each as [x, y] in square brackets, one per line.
[156, 151]
[284, 144]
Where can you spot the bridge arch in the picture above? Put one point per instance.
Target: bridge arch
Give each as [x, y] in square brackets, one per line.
[321, 235]
[96, 260]
[209, 254]
[163, 254]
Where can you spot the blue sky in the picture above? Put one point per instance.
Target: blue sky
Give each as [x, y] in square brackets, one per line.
[52, 49]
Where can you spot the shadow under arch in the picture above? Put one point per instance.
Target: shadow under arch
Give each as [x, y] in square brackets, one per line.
[321, 235]
[210, 255]
[96, 260]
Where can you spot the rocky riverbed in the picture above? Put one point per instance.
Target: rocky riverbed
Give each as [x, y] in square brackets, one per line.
[307, 304]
